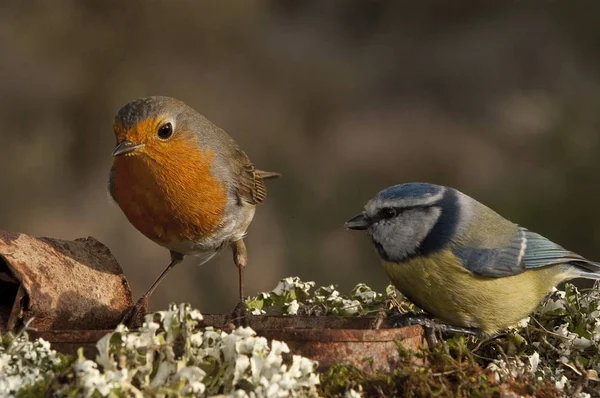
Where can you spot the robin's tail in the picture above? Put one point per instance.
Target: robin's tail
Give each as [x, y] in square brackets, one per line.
[265, 175]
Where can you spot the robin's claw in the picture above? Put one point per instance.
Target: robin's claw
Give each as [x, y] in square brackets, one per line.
[134, 316]
[240, 314]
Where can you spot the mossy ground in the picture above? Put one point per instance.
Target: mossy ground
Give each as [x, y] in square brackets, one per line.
[554, 353]
[449, 370]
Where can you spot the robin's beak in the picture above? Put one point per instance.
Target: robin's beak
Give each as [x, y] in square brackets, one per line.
[359, 222]
[126, 147]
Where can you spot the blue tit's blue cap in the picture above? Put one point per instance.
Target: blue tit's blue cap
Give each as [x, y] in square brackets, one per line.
[411, 190]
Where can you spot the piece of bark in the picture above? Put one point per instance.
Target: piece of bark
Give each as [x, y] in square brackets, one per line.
[64, 285]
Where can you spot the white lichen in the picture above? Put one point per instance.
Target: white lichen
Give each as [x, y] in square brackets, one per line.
[170, 353]
[24, 363]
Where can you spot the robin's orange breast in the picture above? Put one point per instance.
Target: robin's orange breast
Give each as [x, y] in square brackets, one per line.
[169, 193]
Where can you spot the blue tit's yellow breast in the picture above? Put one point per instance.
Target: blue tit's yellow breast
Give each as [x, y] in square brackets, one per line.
[440, 285]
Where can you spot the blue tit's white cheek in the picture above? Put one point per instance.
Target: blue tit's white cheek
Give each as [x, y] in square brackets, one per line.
[400, 238]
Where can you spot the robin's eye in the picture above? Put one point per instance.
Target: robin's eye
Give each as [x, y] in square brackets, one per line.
[165, 131]
[388, 212]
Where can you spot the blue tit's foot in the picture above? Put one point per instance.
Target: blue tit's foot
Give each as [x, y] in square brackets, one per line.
[240, 314]
[427, 320]
[431, 326]
[134, 316]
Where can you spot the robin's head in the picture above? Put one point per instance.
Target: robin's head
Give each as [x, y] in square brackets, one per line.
[147, 125]
[164, 169]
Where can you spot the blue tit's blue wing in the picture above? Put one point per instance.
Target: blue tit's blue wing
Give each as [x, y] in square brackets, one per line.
[498, 262]
[526, 250]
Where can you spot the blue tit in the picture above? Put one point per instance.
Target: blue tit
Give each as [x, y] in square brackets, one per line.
[462, 262]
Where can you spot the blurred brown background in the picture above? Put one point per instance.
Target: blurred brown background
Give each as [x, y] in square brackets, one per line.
[345, 98]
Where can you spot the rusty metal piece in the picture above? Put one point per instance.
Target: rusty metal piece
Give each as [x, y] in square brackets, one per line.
[326, 339]
[69, 341]
[369, 350]
[62, 284]
[277, 322]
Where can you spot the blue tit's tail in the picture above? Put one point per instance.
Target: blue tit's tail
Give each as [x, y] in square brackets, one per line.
[587, 270]
[588, 275]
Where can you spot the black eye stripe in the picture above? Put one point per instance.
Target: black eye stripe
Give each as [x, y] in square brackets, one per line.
[400, 210]
[388, 212]
[406, 208]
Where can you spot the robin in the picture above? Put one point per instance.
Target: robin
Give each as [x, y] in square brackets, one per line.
[184, 183]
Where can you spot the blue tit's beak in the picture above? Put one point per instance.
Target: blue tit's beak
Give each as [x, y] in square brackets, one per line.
[126, 147]
[359, 222]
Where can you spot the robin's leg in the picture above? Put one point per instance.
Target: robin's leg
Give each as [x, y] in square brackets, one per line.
[240, 258]
[135, 315]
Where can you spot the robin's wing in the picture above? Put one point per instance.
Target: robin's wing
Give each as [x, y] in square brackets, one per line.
[526, 250]
[247, 181]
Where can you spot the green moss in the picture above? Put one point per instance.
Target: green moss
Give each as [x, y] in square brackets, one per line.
[449, 370]
[339, 378]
